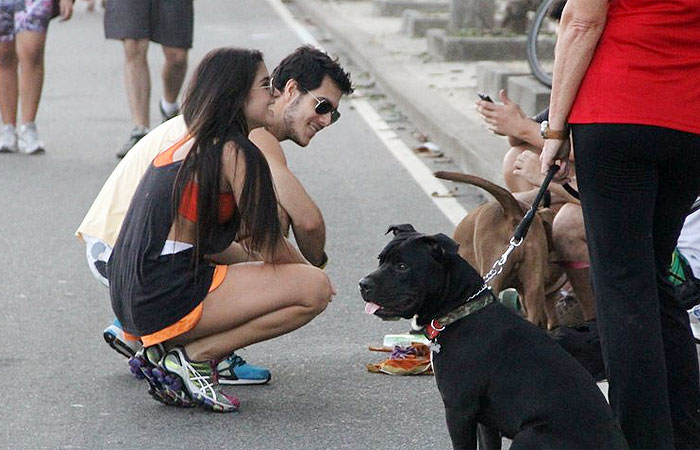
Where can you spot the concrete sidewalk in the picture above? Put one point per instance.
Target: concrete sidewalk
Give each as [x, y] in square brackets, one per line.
[437, 97]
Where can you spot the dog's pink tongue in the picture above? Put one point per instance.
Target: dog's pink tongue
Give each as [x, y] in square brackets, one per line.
[371, 308]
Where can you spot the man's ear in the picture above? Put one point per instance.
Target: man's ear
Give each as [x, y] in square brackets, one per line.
[403, 228]
[441, 245]
[290, 89]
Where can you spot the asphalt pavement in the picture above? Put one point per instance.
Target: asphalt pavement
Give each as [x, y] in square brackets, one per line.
[62, 388]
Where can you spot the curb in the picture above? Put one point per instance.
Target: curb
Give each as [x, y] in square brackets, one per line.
[474, 149]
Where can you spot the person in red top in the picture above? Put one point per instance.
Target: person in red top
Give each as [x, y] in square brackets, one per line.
[626, 82]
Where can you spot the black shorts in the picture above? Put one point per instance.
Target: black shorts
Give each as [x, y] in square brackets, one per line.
[166, 22]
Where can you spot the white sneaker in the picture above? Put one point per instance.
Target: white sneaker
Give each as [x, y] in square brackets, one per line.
[28, 139]
[8, 139]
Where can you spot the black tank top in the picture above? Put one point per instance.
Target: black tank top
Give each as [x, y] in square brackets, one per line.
[150, 291]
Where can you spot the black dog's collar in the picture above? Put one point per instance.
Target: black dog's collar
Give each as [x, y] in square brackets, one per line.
[435, 326]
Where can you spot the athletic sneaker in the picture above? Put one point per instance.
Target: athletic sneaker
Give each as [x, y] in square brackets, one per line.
[114, 336]
[136, 134]
[235, 370]
[165, 388]
[164, 114]
[28, 139]
[8, 138]
[199, 380]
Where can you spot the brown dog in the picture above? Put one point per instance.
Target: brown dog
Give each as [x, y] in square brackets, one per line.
[484, 234]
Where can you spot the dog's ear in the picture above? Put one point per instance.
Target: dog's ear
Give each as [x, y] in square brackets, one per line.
[442, 245]
[403, 228]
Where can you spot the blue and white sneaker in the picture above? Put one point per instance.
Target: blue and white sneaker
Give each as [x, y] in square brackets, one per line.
[114, 336]
[235, 370]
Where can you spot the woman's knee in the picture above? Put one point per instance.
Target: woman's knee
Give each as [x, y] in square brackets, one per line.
[318, 290]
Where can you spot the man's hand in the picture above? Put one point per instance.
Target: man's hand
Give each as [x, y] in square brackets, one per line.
[506, 119]
[527, 165]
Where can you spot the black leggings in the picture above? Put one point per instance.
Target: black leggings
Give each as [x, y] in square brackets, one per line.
[637, 183]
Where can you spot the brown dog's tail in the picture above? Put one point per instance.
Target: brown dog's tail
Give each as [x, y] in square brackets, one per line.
[511, 207]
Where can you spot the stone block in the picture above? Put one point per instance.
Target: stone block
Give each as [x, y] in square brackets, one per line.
[416, 23]
[530, 94]
[395, 8]
[445, 47]
[492, 76]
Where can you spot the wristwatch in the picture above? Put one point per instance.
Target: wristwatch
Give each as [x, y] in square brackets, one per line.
[547, 133]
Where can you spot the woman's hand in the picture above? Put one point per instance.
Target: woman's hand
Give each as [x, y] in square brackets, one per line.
[66, 8]
[556, 151]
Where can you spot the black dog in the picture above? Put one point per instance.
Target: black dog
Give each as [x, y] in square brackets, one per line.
[492, 366]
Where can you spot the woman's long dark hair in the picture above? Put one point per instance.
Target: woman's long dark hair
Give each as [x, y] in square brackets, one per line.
[213, 112]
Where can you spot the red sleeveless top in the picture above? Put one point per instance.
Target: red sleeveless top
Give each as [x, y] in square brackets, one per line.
[646, 69]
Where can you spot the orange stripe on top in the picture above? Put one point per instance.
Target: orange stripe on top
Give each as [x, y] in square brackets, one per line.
[188, 203]
[190, 320]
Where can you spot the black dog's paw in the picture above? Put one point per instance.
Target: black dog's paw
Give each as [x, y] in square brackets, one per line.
[403, 228]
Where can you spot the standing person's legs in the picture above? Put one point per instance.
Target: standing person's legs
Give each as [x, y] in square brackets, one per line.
[130, 21]
[30, 49]
[138, 80]
[9, 92]
[174, 30]
[174, 71]
[9, 81]
[618, 183]
[634, 201]
[31, 27]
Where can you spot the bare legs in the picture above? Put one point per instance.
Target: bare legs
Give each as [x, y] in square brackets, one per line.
[174, 72]
[138, 81]
[21, 76]
[256, 302]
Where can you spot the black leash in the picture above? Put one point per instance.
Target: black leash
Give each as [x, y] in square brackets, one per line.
[524, 225]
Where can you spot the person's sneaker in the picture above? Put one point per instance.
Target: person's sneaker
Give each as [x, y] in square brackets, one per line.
[165, 114]
[114, 336]
[235, 370]
[146, 365]
[136, 134]
[8, 138]
[199, 380]
[28, 139]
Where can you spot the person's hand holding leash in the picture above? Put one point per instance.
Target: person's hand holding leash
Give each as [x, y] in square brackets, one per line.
[556, 151]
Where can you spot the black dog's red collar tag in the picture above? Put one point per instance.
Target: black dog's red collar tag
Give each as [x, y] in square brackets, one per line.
[432, 329]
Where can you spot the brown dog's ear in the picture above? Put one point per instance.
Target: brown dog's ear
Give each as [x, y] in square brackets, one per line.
[442, 244]
[403, 228]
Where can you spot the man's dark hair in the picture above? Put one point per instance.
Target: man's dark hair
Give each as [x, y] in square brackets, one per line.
[308, 66]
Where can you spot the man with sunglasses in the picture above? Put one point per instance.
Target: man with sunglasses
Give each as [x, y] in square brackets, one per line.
[307, 86]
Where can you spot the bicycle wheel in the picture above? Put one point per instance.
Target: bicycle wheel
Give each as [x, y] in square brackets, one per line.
[541, 39]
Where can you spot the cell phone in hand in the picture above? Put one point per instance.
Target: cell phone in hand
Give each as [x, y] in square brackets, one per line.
[485, 97]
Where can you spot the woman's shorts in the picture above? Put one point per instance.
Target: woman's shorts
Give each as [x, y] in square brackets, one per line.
[166, 22]
[23, 15]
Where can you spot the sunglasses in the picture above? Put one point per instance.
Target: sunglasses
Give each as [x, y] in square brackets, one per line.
[324, 106]
[267, 85]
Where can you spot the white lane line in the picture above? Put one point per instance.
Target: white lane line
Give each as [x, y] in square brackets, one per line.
[418, 170]
[449, 206]
[293, 23]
